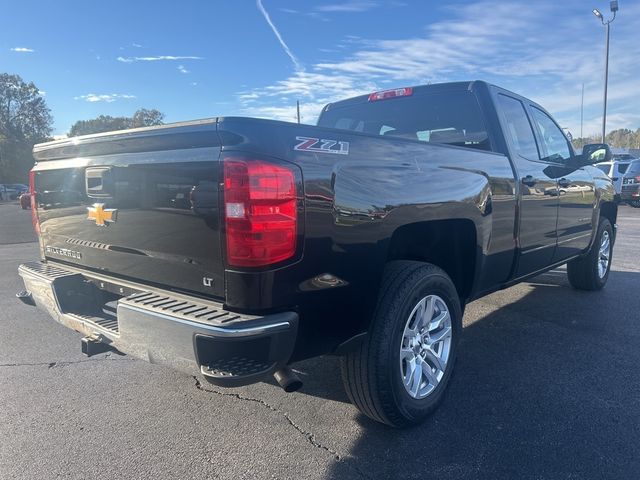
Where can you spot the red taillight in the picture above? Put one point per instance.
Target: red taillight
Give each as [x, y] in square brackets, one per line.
[396, 92]
[34, 205]
[261, 213]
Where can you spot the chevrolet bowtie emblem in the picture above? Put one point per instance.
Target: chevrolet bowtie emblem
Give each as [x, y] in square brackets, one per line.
[102, 216]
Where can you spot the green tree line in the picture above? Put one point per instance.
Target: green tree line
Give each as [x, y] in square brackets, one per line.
[25, 119]
[107, 123]
[620, 138]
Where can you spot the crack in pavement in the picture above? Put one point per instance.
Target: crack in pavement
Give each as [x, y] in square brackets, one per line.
[311, 438]
[64, 363]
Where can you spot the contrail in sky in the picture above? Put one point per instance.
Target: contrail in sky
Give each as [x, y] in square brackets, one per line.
[298, 66]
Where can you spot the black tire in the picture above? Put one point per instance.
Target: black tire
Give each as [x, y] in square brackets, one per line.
[583, 272]
[372, 374]
[635, 203]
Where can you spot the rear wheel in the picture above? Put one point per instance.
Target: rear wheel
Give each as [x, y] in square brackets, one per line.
[399, 374]
[592, 271]
[635, 203]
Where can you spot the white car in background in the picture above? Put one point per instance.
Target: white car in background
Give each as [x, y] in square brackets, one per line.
[615, 169]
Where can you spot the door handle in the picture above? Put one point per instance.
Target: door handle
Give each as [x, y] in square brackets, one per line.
[564, 183]
[529, 181]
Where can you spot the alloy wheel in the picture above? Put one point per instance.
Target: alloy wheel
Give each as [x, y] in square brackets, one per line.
[425, 347]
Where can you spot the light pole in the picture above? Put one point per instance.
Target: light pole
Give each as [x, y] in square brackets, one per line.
[596, 12]
[581, 110]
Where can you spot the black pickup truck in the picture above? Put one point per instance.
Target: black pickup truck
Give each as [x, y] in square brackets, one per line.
[233, 247]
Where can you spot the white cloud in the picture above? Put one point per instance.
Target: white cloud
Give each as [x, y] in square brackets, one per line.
[247, 97]
[468, 43]
[157, 58]
[350, 6]
[288, 113]
[312, 89]
[42, 93]
[298, 66]
[182, 69]
[106, 97]
[358, 6]
[136, 45]
[315, 15]
[530, 48]
[22, 50]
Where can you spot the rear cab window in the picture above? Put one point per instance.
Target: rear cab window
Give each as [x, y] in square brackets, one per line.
[446, 117]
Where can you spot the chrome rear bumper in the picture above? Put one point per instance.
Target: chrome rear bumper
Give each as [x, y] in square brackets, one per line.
[186, 333]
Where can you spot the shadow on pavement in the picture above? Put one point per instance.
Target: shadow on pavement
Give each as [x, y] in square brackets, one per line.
[545, 387]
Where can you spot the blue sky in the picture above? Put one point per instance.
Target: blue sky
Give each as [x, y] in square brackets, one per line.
[195, 59]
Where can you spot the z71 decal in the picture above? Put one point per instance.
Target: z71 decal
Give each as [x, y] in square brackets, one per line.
[317, 145]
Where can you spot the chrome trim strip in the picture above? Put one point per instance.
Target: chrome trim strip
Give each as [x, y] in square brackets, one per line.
[576, 238]
[536, 249]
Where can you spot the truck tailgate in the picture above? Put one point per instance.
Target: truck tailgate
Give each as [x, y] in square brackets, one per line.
[139, 204]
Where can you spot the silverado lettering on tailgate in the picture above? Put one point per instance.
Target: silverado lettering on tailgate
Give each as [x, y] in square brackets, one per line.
[65, 252]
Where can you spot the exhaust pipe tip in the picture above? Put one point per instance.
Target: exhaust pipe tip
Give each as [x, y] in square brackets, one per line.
[26, 298]
[288, 380]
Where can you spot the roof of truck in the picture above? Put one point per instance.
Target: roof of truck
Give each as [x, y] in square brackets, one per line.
[433, 87]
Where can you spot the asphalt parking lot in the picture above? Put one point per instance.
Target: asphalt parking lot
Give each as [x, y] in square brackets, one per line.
[547, 386]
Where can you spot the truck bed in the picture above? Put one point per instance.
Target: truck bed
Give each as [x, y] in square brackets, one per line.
[163, 184]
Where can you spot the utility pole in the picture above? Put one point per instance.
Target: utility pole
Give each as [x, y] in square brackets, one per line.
[298, 109]
[581, 111]
[614, 8]
[606, 83]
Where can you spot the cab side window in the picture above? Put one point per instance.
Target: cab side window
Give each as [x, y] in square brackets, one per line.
[554, 143]
[518, 129]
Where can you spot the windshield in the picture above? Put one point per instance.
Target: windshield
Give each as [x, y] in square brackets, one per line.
[453, 118]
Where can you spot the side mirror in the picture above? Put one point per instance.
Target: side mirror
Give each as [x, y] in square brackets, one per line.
[595, 153]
